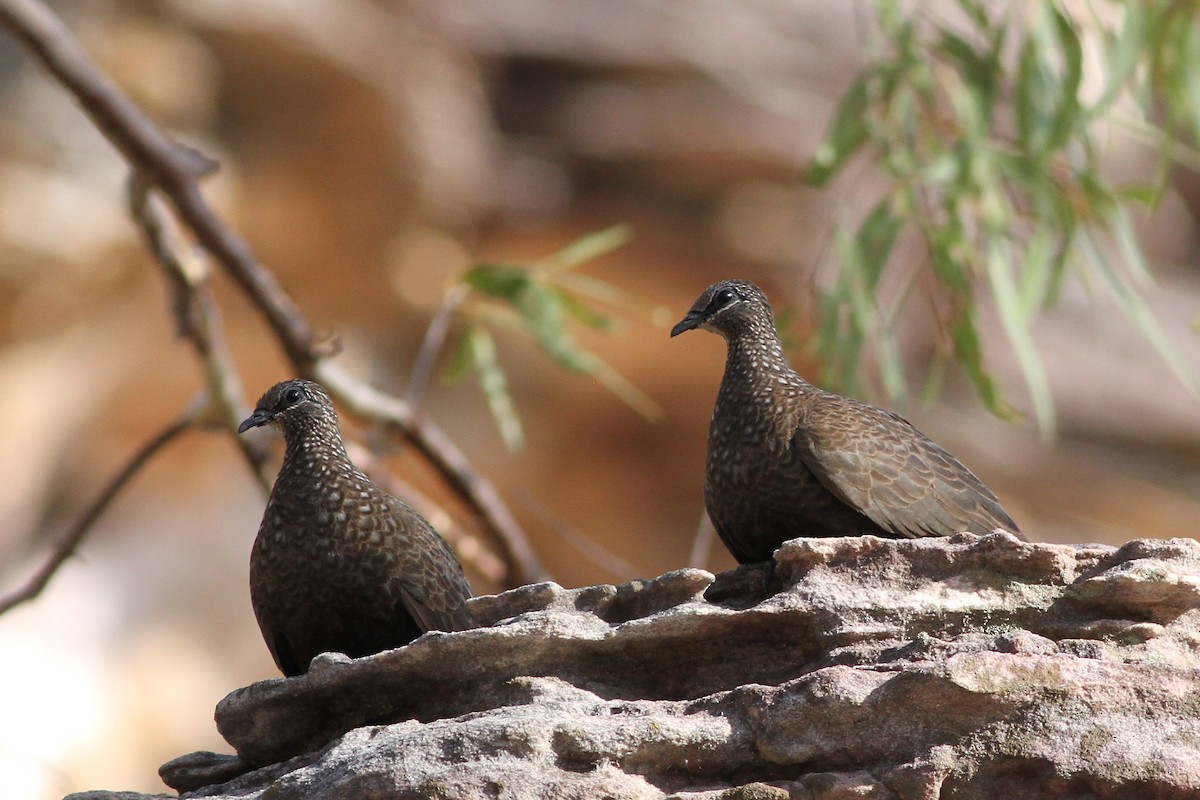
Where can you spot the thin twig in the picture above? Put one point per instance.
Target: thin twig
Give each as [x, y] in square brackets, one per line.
[171, 166]
[198, 319]
[175, 170]
[590, 549]
[431, 346]
[70, 543]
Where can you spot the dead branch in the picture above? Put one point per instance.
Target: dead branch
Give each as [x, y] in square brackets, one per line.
[175, 170]
[197, 318]
[79, 531]
[589, 548]
[172, 167]
[431, 345]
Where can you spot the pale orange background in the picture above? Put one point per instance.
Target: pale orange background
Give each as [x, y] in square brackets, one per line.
[370, 152]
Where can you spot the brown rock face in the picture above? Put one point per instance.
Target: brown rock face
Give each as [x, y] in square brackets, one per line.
[951, 667]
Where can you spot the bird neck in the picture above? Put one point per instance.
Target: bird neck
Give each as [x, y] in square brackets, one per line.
[755, 361]
[315, 447]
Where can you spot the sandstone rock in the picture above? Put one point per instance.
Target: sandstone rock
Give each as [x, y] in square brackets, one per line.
[967, 667]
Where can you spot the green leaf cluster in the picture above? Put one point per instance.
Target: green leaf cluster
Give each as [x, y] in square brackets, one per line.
[992, 153]
[540, 301]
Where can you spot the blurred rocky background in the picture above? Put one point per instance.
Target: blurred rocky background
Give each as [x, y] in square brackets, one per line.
[370, 153]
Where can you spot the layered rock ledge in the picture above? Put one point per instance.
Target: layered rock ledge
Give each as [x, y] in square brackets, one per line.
[964, 667]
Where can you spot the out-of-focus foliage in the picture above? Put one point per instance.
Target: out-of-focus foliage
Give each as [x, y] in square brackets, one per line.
[990, 129]
[539, 301]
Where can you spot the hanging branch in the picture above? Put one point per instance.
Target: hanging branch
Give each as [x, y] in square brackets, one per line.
[174, 170]
[197, 319]
[170, 166]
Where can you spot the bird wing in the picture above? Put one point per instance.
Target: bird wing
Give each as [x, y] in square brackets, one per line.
[877, 463]
[431, 585]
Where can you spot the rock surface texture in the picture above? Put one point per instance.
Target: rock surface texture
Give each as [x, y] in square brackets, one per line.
[957, 667]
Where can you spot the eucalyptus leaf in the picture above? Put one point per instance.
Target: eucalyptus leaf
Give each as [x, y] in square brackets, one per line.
[996, 162]
[846, 134]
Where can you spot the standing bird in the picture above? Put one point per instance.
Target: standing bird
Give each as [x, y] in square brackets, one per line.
[340, 565]
[786, 459]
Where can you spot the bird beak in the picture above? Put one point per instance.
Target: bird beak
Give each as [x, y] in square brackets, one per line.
[260, 417]
[693, 320]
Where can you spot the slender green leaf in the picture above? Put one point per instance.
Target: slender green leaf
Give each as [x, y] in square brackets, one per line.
[969, 349]
[1131, 252]
[1036, 274]
[980, 69]
[498, 280]
[1122, 57]
[847, 133]
[580, 311]
[541, 308]
[595, 288]
[1016, 326]
[1027, 106]
[948, 252]
[587, 248]
[480, 350]
[1133, 306]
[977, 11]
[461, 362]
[1067, 109]
[1144, 194]
[876, 237]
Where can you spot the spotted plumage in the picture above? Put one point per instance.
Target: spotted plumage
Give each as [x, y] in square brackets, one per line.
[787, 459]
[340, 565]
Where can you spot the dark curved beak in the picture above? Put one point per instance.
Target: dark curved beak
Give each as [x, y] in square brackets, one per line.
[260, 417]
[693, 320]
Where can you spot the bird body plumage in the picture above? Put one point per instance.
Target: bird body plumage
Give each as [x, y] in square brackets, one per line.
[339, 564]
[787, 459]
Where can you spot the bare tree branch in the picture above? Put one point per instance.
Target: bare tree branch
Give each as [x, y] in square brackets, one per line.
[431, 345]
[175, 170]
[70, 543]
[590, 549]
[198, 318]
[171, 166]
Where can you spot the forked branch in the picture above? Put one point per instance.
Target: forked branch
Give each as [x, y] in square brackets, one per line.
[160, 165]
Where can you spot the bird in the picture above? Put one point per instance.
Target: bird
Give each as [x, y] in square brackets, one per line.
[787, 459]
[339, 565]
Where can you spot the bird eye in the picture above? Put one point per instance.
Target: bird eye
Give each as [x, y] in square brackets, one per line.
[292, 395]
[725, 297]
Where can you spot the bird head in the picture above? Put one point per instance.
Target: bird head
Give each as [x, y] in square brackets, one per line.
[287, 402]
[727, 307]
